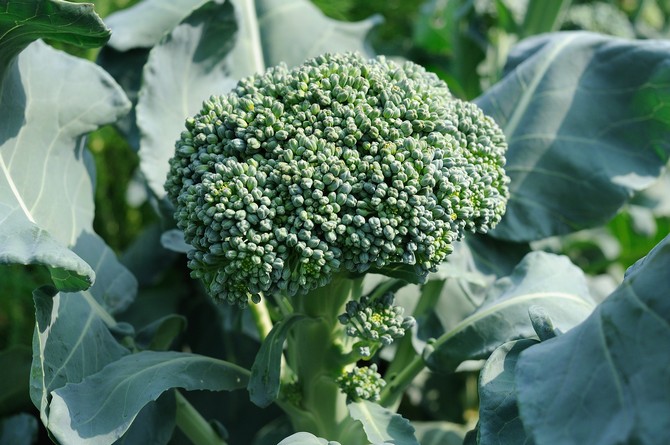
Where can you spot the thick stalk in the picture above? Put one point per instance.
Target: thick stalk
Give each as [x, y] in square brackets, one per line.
[193, 425]
[315, 356]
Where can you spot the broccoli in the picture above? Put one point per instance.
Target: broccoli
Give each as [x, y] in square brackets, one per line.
[361, 383]
[376, 322]
[338, 166]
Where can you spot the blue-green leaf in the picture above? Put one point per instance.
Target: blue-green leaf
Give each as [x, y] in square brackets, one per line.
[542, 279]
[100, 408]
[608, 377]
[264, 383]
[499, 420]
[46, 183]
[381, 425]
[568, 102]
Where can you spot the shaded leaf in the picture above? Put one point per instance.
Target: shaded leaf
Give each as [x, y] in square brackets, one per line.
[542, 279]
[23, 22]
[100, 408]
[570, 101]
[15, 365]
[381, 425]
[608, 377]
[20, 429]
[154, 424]
[264, 383]
[499, 420]
[439, 433]
[159, 335]
[46, 185]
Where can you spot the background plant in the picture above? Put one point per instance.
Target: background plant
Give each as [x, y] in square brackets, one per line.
[486, 279]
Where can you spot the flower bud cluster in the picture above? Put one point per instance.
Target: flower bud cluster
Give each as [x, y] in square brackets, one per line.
[376, 322]
[362, 383]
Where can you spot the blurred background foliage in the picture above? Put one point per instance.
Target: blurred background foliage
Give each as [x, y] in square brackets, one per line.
[466, 43]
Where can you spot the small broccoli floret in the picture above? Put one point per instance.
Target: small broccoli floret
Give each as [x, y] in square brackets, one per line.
[377, 322]
[338, 165]
[362, 383]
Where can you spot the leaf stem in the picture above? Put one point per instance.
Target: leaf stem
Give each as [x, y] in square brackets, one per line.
[250, 22]
[395, 388]
[193, 425]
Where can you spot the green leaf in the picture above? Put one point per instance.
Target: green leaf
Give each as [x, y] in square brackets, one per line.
[499, 420]
[100, 408]
[607, 378]
[24, 21]
[543, 16]
[15, 365]
[20, 429]
[214, 48]
[381, 425]
[542, 279]
[46, 185]
[571, 101]
[306, 439]
[264, 383]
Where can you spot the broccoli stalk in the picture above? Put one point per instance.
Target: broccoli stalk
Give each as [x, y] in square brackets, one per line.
[300, 181]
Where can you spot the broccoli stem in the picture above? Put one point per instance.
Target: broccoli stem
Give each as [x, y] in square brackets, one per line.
[193, 425]
[315, 356]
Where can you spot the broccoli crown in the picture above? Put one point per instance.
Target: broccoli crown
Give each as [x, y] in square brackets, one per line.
[337, 165]
[361, 383]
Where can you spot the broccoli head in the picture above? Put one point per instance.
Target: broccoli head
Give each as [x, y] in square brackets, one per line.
[336, 166]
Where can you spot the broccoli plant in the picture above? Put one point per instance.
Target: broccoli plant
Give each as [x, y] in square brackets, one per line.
[301, 180]
[343, 251]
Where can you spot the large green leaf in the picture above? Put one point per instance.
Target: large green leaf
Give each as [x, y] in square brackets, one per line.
[606, 381]
[542, 279]
[23, 21]
[587, 119]
[72, 340]
[46, 183]
[215, 47]
[100, 408]
[381, 425]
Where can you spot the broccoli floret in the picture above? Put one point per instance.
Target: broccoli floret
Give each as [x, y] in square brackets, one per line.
[362, 383]
[376, 322]
[338, 165]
